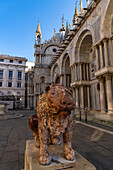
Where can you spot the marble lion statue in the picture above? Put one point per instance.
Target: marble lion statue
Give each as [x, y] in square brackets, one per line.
[54, 117]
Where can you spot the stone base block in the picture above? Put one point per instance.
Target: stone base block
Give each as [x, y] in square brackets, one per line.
[58, 162]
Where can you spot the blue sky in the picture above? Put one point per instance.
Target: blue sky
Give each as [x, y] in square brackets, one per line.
[19, 19]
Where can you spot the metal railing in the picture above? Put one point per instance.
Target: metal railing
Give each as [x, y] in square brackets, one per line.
[94, 114]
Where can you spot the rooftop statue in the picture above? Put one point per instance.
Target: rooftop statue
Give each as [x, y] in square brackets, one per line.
[54, 117]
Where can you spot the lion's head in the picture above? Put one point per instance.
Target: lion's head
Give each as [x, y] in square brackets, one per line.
[59, 99]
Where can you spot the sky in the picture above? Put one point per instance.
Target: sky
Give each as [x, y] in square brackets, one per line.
[19, 20]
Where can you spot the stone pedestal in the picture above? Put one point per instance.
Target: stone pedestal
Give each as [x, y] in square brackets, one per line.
[3, 108]
[58, 162]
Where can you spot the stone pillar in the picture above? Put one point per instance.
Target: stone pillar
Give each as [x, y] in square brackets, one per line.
[84, 72]
[80, 71]
[102, 94]
[109, 92]
[87, 71]
[110, 51]
[88, 96]
[74, 93]
[97, 57]
[71, 74]
[77, 98]
[64, 79]
[35, 100]
[105, 52]
[75, 72]
[82, 97]
[101, 56]
[61, 79]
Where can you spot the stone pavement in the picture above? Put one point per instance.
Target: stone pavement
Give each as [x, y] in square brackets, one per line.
[95, 145]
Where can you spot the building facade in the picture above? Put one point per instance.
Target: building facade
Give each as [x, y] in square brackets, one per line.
[12, 81]
[82, 60]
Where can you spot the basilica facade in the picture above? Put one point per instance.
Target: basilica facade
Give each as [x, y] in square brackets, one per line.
[81, 58]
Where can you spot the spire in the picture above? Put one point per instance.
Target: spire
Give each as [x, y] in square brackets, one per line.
[87, 2]
[38, 28]
[75, 14]
[54, 32]
[63, 28]
[81, 7]
[69, 26]
[38, 33]
[76, 10]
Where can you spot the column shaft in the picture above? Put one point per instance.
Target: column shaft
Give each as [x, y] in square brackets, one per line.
[105, 53]
[97, 58]
[88, 96]
[102, 95]
[87, 71]
[80, 71]
[101, 56]
[84, 71]
[82, 97]
[109, 93]
[77, 98]
[75, 72]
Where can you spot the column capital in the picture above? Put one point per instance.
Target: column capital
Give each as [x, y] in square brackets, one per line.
[100, 78]
[108, 76]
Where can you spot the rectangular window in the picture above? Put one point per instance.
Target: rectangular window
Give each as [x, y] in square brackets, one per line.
[1, 73]
[0, 84]
[19, 75]
[1, 60]
[18, 85]
[20, 62]
[11, 61]
[9, 84]
[10, 74]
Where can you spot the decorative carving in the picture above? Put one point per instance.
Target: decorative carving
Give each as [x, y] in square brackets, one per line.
[55, 117]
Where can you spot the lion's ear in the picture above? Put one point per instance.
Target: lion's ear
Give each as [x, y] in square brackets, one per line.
[47, 89]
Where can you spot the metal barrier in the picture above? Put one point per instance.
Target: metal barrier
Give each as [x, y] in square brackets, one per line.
[86, 113]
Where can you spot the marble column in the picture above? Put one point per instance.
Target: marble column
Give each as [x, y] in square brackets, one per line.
[101, 56]
[105, 52]
[80, 71]
[88, 96]
[74, 93]
[61, 79]
[102, 94]
[110, 51]
[75, 72]
[71, 74]
[82, 97]
[77, 98]
[97, 57]
[109, 92]
[35, 100]
[87, 71]
[84, 71]
[64, 79]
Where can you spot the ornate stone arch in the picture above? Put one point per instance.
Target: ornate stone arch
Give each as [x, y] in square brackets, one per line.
[55, 72]
[106, 28]
[63, 62]
[86, 39]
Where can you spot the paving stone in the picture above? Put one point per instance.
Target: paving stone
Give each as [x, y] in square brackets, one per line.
[9, 156]
[9, 166]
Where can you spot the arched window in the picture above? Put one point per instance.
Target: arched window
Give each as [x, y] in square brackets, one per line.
[42, 79]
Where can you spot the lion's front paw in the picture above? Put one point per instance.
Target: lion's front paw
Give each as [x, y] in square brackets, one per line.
[56, 141]
[45, 158]
[69, 154]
